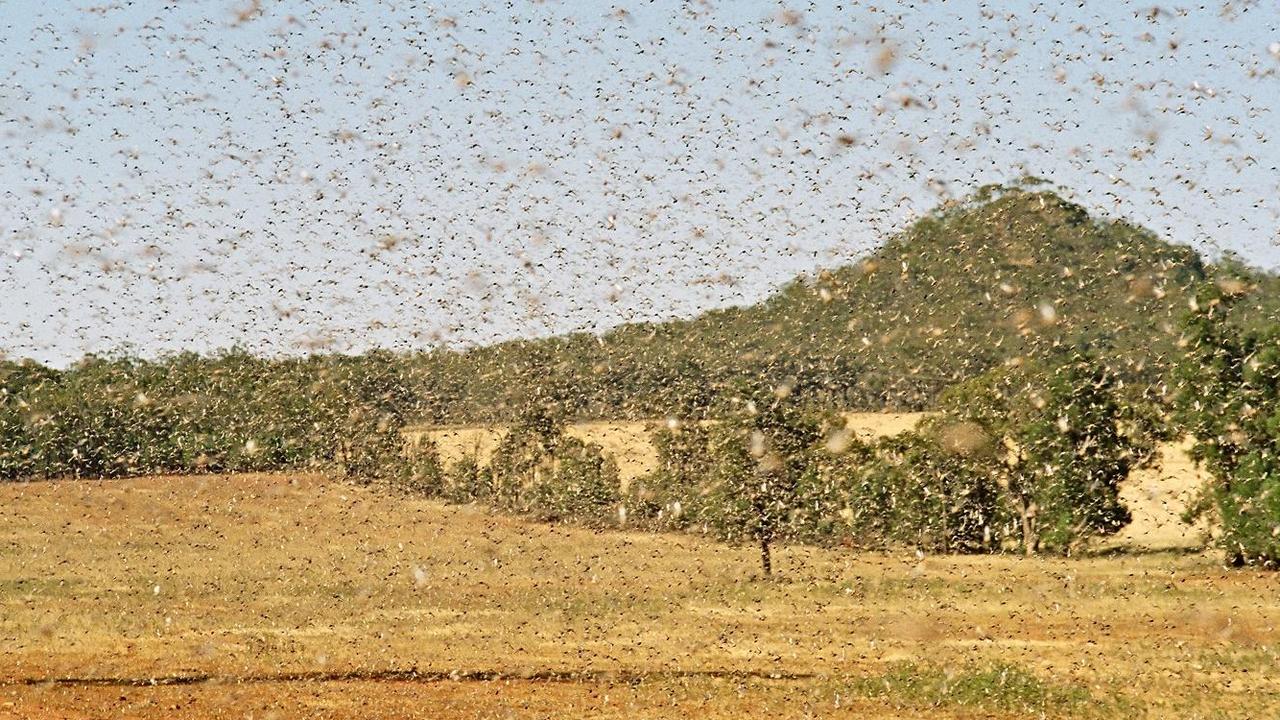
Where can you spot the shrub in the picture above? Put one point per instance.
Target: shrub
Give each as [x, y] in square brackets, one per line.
[582, 486]
[923, 495]
[468, 481]
[539, 471]
[524, 458]
[666, 499]
[425, 474]
[843, 500]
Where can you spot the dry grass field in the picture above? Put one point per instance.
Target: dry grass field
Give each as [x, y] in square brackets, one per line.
[627, 443]
[272, 596]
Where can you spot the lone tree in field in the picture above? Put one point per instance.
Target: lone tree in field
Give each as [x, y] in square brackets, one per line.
[1053, 437]
[1228, 400]
[760, 455]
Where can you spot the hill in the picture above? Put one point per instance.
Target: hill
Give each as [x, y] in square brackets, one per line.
[1010, 272]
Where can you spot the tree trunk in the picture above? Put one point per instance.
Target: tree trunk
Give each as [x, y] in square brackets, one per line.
[1029, 541]
[946, 530]
[765, 560]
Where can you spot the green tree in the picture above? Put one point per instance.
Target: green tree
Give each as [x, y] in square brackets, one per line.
[426, 473]
[539, 470]
[1228, 400]
[1052, 436]
[761, 453]
[525, 456]
[468, 481]
[930, 494]
[582, 486]
[20, 384]
[667, 498]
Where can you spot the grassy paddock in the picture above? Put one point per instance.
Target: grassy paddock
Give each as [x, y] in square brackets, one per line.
[305, 597]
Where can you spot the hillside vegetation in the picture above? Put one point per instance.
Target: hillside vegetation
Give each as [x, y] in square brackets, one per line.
[1011, 272]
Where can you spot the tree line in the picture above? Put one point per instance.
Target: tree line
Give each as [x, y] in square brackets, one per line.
[233, 412]
[1028, 455]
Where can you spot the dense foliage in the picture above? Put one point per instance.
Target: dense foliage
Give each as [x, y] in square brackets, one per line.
[1030, 455]
[536, 470]
[1228, 399]
[760, 454]
[1053, 437]
[743, 478]
[108, 417]
[916, 492]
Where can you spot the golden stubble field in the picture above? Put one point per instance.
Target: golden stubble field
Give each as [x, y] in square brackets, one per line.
[294, 596]
[628, 443]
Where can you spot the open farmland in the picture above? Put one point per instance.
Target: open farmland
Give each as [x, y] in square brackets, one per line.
[297, 596]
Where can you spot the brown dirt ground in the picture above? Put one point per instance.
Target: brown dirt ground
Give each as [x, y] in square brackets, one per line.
[498, 699]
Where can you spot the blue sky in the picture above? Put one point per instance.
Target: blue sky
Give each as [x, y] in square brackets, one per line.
[320, 176]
